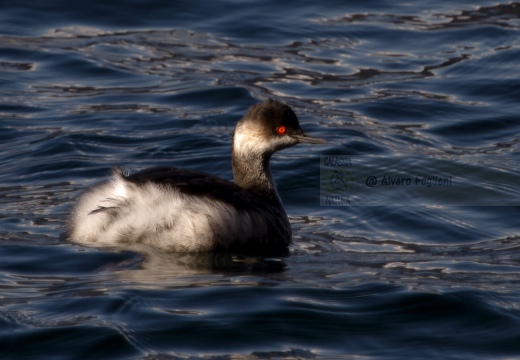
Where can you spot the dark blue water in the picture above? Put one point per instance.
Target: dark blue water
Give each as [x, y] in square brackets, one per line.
[91, 85]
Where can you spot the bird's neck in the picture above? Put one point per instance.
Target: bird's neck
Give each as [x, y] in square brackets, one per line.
[253, 172]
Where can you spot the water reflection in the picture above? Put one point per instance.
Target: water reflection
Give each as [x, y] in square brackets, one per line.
[501, 15]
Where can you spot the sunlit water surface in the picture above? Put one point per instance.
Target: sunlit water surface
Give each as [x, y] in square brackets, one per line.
[89, 86]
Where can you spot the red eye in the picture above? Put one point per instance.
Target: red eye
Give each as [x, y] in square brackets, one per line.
[281, 130]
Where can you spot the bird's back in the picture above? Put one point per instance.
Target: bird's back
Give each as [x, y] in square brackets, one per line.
[180, 210]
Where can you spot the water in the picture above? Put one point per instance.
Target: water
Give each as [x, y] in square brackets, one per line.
[88, 86]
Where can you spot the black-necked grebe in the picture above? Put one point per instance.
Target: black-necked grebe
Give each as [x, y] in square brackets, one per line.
[189, 211]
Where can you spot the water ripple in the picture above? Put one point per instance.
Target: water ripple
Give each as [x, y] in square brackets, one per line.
[164, 84]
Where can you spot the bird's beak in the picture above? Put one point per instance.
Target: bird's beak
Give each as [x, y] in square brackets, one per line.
[308, 140]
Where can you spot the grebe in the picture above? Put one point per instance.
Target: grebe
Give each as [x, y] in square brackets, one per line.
[182, 210]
